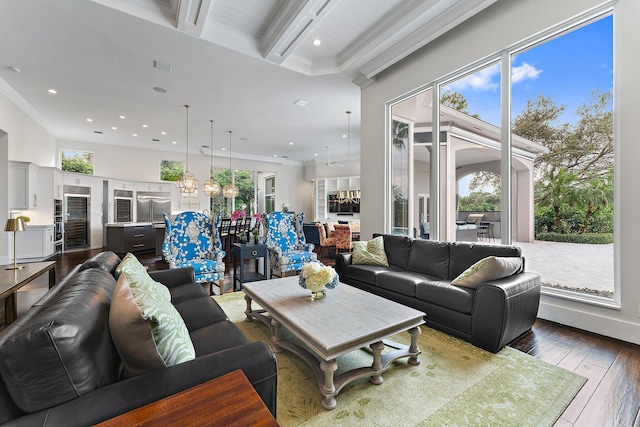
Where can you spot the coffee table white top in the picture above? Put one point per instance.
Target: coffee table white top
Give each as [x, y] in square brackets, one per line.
[347, 319]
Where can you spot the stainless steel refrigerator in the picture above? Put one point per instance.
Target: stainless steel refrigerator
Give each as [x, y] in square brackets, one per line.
[151, 205]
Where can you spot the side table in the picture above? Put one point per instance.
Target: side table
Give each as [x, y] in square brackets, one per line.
[244, 251]
[229, 400]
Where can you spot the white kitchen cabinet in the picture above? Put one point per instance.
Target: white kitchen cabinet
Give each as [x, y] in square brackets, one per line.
[34, 243]
[76, 179]
[23, 185]
[154, 187]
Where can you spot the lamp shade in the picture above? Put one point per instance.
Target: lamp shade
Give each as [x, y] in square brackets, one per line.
[14, 224]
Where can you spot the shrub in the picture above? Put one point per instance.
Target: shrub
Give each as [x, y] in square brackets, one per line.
[591, 238]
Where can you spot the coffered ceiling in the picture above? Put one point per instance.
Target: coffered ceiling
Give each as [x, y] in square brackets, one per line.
[249, 65]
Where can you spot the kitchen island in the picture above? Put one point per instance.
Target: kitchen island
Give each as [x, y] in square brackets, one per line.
[124, 237]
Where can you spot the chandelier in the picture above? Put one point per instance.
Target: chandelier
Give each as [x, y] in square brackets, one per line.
[187, 183]
[230, 190]
[211, 187]
[349, 196]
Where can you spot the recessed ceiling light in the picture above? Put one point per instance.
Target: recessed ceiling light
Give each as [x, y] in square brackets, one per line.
[134, 134]
[160, 89]
[114, 128]
[344, 136]
[52, 91]
[317, 42]
[163, 133]
[122, 117]
[315, 154]
[275, 155]
[290, 143]
[224, 149]
[173, 142]
[89, 119]
[145, 126]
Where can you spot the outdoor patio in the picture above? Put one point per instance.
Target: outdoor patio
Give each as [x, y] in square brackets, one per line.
[571, 264]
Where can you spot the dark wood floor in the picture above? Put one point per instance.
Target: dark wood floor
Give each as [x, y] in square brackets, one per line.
[611, 396]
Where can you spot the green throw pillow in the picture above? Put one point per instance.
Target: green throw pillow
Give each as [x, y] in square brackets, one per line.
[489, 268]
[370, 253]
[147, 330]
[138, 278]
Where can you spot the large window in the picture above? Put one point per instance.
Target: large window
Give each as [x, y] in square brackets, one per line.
[544, 183]
[77, 161]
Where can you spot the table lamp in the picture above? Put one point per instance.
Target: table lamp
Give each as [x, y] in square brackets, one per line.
[15, 225]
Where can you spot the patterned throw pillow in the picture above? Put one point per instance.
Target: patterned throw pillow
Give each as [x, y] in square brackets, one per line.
[139, 279]
[489, 268]
[147, 330]
[370, 253]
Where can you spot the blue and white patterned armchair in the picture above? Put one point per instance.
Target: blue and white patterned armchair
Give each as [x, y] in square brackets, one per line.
[192, 240]
[288, 250]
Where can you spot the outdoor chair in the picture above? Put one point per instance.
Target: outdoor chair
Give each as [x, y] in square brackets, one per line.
[288, 250]
[192, 240]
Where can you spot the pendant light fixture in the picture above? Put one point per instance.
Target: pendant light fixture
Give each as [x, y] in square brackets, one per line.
[349, 196]
[187, 183]
[230, 190]
[211, 187]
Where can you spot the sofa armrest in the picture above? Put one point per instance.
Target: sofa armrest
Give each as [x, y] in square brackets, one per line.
[343, 259]
[255, 359]
[503, 309]
[174, 276]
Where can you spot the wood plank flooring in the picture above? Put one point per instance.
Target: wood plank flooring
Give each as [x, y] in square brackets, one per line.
[611, 396]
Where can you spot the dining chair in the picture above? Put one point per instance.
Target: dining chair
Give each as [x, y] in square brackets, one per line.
[343, 237]
[325, 241]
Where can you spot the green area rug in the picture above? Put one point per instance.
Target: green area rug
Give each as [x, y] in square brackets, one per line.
[456, 384]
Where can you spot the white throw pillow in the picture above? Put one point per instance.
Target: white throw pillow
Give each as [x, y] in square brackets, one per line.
[490, 268]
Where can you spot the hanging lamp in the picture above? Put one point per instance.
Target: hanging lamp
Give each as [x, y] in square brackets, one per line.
[349, 196]
[211, 187]
[230, 190]
[187, 183]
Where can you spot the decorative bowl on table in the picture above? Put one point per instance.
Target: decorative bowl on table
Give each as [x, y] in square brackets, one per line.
[318, 277]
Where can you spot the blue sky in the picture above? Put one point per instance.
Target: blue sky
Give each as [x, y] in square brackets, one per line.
[566, 68]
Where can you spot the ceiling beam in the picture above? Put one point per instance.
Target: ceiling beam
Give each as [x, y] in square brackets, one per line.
[192, 15]
[293, 23]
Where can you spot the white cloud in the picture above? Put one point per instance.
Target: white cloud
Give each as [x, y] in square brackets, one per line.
[481, 80]
[524, 72]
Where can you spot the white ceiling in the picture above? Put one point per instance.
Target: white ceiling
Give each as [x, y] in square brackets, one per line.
[242, 64]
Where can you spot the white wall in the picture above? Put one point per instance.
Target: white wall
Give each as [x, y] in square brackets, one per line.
[503, 24]
[137, 164]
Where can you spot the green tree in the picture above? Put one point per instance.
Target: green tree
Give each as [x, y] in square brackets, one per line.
[457, 101]
[400, 135]
[79, 162]
[171, 170]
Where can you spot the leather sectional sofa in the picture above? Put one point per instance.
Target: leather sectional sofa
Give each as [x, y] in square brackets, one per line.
[420, 274]
[59, 365]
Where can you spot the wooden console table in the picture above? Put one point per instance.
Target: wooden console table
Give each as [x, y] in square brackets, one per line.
[229, 400]
[12, 280]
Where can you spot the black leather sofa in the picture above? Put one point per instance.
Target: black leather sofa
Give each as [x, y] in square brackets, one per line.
[420, 274]
[59, 365]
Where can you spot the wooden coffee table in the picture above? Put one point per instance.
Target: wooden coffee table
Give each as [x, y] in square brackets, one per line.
[346, 320]
[229, 400]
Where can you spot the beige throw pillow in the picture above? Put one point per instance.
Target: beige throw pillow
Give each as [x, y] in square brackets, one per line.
[370, 253]
[489, 268]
